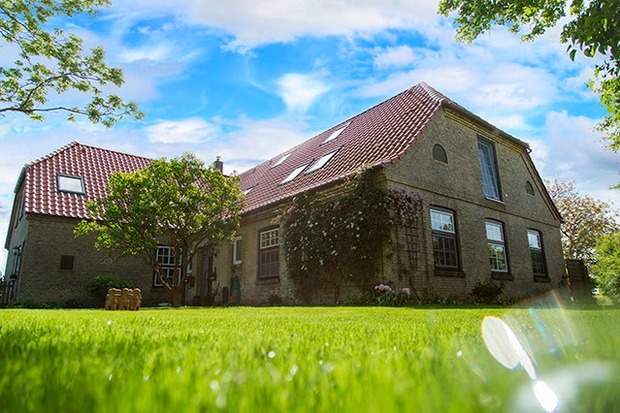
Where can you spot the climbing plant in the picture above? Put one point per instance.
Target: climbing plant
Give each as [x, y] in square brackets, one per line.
[330, 241]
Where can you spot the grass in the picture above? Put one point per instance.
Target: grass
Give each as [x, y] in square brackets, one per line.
[300, 359]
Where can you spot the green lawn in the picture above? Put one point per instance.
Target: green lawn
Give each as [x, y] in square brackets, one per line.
[301, 359]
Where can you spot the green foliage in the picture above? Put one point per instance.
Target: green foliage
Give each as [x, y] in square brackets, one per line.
[585, 219]
[346, 359]
[334, 241]
[486, 292]
[99, 286]
[592, 27]
[51, 62]
[178, 202]
[606, 270]
[383, 296]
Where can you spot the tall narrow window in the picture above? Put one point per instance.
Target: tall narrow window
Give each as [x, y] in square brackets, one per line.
[497, 246]
[237, 250]
[488, 166]
[269, 254]
[168, 266]
[539, 268]
[443, 230]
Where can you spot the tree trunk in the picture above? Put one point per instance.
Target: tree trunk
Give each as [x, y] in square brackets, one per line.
[177, 296]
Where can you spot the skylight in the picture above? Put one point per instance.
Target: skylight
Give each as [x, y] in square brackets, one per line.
[294, 174]
[72, 184]
[248, 190]
[282, 159]
[335, 133]
[321, 162]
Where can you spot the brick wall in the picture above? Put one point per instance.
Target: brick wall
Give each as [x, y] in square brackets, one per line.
[41, 279]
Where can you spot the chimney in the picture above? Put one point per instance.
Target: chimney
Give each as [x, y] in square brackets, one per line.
[219, 165]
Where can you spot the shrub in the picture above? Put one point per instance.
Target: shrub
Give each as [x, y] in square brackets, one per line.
[99, 286]
[486, 292]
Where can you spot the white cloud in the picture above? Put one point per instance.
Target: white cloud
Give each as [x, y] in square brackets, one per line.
[574, 151]
[194, 130]
[300, 91]
[399, 56]
[155, 52]
[254, 23]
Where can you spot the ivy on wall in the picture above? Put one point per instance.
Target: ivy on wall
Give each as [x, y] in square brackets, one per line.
[330, 241]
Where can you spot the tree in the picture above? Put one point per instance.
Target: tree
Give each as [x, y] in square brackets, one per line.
[179, 203]
[585, 219]
[606, 270]
[52, 62]
[592, 27]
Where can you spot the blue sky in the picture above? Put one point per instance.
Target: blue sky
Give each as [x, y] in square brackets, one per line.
[245, 80]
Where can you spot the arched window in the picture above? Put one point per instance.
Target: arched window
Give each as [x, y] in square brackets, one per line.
[529, 188]
[439, 154]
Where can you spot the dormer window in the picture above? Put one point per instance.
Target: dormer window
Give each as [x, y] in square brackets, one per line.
[294, 174]
[335, 133]
[70, 184]
[282, 159]
[321, 162]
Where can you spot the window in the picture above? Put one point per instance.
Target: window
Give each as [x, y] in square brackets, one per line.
[529, 189]
[534, 239]
[282, 159]
[167, 265]
[335, 133]
[71, 184]
[237, 250]
[321, 162]
[497, 246]
[248, 190]
[488, 166]
[269, 254]
[17, 261]
[443, 230]
[66, 262]
[294, 174]
[439, 154]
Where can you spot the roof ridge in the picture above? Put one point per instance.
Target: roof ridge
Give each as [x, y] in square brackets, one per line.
[76, 143]
[428, 90]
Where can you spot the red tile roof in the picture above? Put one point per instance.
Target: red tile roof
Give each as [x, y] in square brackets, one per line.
[377, 136]
[93, 165]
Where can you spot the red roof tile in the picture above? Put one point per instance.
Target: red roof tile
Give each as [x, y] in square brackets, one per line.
[93, 165]
[377, 136]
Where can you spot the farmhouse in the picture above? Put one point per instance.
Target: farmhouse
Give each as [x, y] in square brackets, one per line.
[484, 213]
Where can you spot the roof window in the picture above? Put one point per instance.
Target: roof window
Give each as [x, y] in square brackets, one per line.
[248, 190]
[335, 133]
[294, 174]
[282, 159]
[321, 162]
[71, 184]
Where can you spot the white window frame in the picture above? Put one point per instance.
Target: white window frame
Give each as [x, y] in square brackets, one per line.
[321, 162]
[336, 133]
[488, 168]
[70, 184]
[535, 243]
[443, 228]
[281, 160]
[169, 267]
[268, 245]
[294, 174]
[237, 250]
[496, 242]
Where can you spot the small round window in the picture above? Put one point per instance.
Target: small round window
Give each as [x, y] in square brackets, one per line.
[529, 188]
[439, 153]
